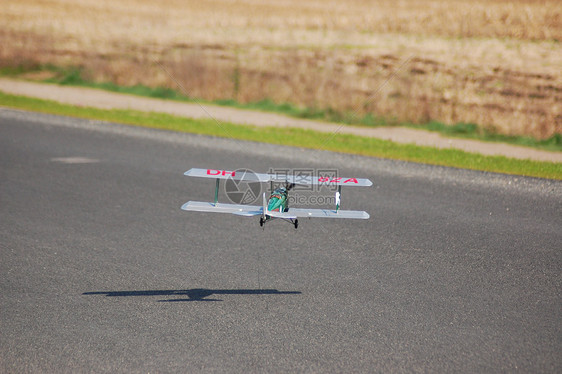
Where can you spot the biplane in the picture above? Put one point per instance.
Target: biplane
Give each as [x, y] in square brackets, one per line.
[277, 205]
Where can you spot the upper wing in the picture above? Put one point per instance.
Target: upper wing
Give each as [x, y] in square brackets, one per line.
[326, 181]
[250, 176]
[245, 175]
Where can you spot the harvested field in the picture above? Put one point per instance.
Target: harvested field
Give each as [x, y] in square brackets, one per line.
[494, 63]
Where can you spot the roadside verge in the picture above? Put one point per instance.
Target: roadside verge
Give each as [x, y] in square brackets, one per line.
[218, 121]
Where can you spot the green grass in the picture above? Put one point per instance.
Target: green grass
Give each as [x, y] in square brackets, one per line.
[472, 131]
[75, 77]
[297, 137]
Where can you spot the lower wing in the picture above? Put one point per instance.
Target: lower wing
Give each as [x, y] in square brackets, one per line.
[327, 213]
[242, 210]
[254, 210]
[239, 210]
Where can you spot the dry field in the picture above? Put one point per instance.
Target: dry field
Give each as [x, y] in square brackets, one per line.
[496, 63]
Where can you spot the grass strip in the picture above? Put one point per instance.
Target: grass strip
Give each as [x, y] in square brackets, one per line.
[296, 137]
[75, 76]
[458, 130]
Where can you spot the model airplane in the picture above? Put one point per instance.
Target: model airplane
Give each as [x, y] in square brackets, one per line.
[277, 206]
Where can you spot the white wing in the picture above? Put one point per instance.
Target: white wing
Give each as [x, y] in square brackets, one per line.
[326, 181]
[250, 176]
[327, 213]
[254, 210]
[242, 210]
[285, 215]
[245, 175]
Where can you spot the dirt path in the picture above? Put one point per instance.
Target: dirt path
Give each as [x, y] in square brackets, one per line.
[108, 100]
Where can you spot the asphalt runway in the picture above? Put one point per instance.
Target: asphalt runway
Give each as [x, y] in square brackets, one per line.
[456, 271]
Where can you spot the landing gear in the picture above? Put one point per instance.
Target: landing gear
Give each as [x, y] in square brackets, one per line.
[296, 223]
[261, 221]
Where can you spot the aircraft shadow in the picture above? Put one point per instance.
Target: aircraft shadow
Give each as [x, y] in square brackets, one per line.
[194, 294]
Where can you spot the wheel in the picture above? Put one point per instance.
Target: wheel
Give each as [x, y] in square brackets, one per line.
[261, 222]
[296, 223]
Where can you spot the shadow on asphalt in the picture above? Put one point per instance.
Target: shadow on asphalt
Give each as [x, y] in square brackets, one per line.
[194, 294]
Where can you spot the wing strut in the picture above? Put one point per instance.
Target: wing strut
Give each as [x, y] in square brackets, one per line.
[217, 191]
[338, 197]
[264, 211]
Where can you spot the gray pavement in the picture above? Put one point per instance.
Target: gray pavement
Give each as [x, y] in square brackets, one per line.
[456, 271]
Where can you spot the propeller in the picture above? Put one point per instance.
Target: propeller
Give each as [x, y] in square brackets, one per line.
[288, 186]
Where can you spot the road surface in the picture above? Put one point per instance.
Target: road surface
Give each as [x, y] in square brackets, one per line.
[456, 271]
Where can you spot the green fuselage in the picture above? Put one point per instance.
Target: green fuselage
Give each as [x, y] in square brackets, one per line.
[278, 201]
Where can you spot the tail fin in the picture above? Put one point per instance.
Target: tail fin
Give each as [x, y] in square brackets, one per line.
[264, 206]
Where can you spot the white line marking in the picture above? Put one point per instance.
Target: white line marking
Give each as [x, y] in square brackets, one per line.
[75, 160]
